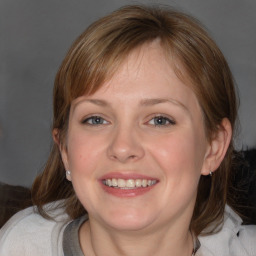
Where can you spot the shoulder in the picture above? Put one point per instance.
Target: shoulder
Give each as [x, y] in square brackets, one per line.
[247, 236]
[233, 238]
[28, 233]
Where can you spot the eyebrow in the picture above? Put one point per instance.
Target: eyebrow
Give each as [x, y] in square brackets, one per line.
[144, 102]
[151, 102]
[93, 101]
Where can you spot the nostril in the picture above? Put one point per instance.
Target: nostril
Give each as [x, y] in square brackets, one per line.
[122, 158]
[124, 150]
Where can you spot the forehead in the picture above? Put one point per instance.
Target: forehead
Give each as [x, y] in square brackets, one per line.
[98, 76]
[146, 73]
[147, 69]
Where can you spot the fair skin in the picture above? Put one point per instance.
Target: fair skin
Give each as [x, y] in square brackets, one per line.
[143, 124]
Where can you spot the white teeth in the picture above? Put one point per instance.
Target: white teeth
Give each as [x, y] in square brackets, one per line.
[128, 184]
[121, 183]
[114, 182]
[144, 183]
[109, 182]
[138, 183]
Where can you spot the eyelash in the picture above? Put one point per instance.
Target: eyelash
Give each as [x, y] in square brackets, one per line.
[164, 119]
[98, 120]
[89, 120]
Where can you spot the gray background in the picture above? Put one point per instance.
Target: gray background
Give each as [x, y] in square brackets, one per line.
[35, 36]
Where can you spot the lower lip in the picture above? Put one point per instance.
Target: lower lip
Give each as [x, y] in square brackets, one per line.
[118, 192]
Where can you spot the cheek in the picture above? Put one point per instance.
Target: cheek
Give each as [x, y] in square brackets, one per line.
[180, 154]
[83, 152]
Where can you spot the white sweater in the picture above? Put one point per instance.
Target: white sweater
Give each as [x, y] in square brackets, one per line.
[29, 234]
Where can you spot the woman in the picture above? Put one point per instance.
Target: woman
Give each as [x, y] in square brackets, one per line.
[144, 116]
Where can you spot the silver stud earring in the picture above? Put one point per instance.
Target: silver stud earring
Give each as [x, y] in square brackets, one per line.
[68, 175]
[210, 173]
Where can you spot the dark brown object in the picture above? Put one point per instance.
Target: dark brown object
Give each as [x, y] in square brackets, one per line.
[12, 200]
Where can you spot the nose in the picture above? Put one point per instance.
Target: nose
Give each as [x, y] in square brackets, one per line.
[125, 145]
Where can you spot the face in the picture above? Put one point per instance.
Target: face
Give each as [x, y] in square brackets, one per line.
[136, 148]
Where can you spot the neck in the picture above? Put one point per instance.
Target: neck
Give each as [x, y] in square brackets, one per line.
[166, 241]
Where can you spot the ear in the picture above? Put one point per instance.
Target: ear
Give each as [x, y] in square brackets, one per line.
[62, 149]
[217, 148]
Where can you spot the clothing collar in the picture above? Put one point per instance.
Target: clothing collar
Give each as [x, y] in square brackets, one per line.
[71, 244]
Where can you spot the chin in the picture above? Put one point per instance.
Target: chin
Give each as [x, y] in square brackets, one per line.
[128, 220]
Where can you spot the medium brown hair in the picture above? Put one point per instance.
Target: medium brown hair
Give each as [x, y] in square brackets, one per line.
[97, 54]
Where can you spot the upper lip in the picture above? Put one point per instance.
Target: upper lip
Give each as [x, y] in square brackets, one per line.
[126, 176]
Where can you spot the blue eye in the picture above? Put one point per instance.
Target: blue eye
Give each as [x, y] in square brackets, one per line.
[94, 120]
[161, 121]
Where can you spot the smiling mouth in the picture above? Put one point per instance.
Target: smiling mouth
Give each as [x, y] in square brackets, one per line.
[128, 184]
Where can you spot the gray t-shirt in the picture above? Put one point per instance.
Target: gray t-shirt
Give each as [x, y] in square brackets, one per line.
[71, 244]
[28, 233]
